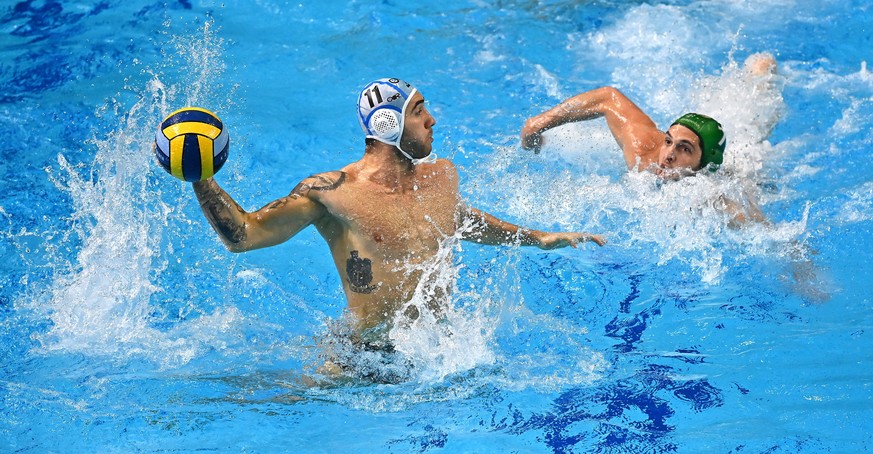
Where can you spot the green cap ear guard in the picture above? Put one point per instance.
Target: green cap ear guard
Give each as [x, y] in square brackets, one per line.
[712, 139]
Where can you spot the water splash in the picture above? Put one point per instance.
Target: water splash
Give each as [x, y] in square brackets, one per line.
[679, 221]
[465, 334]
[200, 64]
[747, 100]
[449, 339]
[100, 304]
[859, 207]
[676, 221]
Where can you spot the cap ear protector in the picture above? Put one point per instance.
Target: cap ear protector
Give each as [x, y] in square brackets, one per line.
[711, 136]
[381, 108]
[384, 125]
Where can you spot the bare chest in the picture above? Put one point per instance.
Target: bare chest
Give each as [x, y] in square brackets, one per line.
[396, 221]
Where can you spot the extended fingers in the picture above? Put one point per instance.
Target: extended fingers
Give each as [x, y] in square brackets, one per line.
[599, 240]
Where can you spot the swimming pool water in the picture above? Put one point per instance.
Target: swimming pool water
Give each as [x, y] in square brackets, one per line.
[127, 327]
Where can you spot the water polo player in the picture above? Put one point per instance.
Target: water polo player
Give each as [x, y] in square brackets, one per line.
[381, 216]
[692, 143]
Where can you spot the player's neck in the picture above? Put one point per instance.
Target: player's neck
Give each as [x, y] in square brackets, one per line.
[386, 166]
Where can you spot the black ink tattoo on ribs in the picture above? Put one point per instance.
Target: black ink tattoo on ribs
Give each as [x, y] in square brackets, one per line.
[360, 273]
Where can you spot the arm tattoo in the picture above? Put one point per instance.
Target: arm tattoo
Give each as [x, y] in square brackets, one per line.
[219, 210]
[320, 182]
[277, 203]
[360, 273]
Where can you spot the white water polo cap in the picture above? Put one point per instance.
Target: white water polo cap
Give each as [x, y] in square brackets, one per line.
[381, 108]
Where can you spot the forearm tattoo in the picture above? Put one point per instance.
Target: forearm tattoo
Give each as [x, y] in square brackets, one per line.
[222, 212]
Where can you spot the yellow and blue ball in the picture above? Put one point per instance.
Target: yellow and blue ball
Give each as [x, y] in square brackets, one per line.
[191, 144]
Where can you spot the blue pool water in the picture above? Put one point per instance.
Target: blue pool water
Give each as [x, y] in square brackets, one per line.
[125, 326]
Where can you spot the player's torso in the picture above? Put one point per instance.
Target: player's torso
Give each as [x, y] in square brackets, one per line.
[381, 238]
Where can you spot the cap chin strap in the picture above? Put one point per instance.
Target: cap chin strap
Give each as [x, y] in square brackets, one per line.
[429, 159]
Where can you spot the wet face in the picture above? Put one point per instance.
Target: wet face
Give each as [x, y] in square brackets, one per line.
[417, 138]
[680, 153]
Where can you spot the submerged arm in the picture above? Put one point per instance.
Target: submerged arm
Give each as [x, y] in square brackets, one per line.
[483, 228]
[807, 279]
[741, 213]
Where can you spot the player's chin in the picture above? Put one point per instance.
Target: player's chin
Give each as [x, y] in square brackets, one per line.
[426, 148]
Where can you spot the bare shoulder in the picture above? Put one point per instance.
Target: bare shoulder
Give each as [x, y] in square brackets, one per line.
[646, 136]
[649, 132]
[442, 172]
[319, 183]
[446, 168]
[641, 145]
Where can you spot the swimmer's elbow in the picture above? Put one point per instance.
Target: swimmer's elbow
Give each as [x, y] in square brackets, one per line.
[609, 90]
[251, 240]
[611, 103]
[235, 248]
[609, 94]
[237, 243]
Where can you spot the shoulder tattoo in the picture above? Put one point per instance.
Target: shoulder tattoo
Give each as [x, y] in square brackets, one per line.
[327, 181]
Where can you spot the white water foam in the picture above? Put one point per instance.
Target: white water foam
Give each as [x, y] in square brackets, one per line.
[464, 335]
[449, 342]
[859, 207]
[679, 220]
[100, 304]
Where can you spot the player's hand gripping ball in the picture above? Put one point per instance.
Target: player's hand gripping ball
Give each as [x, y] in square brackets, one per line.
[191, 144]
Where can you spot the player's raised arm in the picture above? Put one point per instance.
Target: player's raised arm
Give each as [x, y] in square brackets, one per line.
[241, 231]
[634, 131]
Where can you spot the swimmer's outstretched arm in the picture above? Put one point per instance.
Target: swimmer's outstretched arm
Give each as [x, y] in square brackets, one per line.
[630, 126]
[483, 228]
[241, 231]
